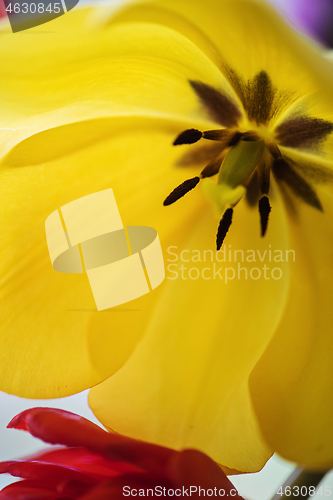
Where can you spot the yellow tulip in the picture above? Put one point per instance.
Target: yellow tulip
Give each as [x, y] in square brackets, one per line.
[237, 369]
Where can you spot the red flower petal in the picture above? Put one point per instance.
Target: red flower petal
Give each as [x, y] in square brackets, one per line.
[193, 468]
[84, 461]
[61, 427]
[28, 490]
[98, 464]
[40, 470]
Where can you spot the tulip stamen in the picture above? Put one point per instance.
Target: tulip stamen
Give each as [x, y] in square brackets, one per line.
[216, 135]
[264, 178]
[224, 226]
[181, 190]
[250, 135]
[212, 168]
[189, 136]
[264, 210]
[235, 139]
[264, 205]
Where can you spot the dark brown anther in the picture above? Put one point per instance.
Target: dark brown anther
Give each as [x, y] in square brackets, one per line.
[181, 190]
[223, 228]
[189, 136]
[264, 210]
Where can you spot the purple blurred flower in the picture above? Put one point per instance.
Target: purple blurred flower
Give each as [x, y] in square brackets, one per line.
[314, 17]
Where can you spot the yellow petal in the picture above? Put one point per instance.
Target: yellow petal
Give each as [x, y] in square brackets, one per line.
[247, 36]
[291, 385]
[186, 385]
[53, 336]
[79, 73]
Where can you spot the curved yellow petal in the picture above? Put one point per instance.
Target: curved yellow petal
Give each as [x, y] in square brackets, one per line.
[79, 73]
[244, 36]
[292, 383]
[186, 385]
[53, 336]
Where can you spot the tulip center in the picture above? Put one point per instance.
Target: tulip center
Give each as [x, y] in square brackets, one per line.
[248, 148]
